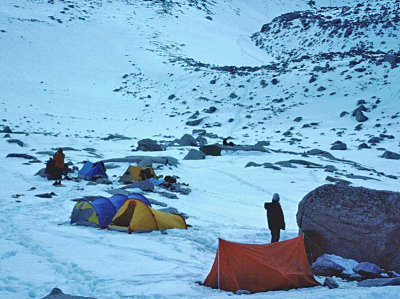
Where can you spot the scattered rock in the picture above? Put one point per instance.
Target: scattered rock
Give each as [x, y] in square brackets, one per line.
[194, 122]
[46, 195]
[367, 269]
[338, 146]
[201, 140]
[375, 140]
[343, 113]
[114, 137]
[330, 283]
[392, 59]
[194, 155]
[56, 293]
[274, 81]
[379, 282]
[211, 150]
[253, 164]
[24, 156]
[164, 160]
[233, 95]
[187, 140]
[212, 109]
[363, 145]
[321, 88]
[360, 117]
[16, 141]
[194, 115]
[391, 155]
[298, 119]
[7, 129]
[148, 145]
[324, 266]
[336, 180]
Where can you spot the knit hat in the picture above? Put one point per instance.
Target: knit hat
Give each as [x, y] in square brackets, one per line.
[275, 197]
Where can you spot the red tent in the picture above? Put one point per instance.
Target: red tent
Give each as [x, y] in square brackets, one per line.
[260, 268]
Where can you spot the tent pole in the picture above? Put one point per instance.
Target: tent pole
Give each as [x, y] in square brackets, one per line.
[218, 264]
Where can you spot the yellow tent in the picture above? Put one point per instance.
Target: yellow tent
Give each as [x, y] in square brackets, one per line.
[133, 174]
[135, 216]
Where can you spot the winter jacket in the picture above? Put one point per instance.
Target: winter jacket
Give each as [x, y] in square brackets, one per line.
[274, 215]
[59, 159]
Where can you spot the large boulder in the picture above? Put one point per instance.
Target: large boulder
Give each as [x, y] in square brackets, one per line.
[187, 140]
[211, 150]
[194, 155]
[367, 269]
[324, 266]
[148, 145]
[352, 222]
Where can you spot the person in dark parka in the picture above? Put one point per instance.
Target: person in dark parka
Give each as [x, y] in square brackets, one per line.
[276, 220]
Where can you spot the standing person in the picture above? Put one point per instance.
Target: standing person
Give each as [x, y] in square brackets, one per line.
[59, 166]
[276, 221]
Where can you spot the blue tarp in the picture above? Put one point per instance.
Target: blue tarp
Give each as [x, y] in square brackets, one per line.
[90, 170]
[140, 197]
[156, 182]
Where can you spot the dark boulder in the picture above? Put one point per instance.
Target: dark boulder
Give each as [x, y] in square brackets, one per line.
[187, 140]
[211, 150]
[16, 141]
[367, 269]
[56, 293]
[148, 145]
[392, 59]
[195, 122]
[391, 155]
[360, 117]
[353, 222]
[324, 266]
[330, 283]
[338, 146]
[7, 129]
[380, 282]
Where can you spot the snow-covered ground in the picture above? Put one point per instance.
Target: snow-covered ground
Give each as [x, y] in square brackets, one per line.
[73, 72]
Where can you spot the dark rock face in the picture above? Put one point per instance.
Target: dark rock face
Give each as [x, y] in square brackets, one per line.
[353, 222]
[194, 155]
[148, 145]
[6, 130]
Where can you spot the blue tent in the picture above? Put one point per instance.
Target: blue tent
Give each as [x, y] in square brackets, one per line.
[101, 211]
[90, 170]
[140, 197]
[118, 200]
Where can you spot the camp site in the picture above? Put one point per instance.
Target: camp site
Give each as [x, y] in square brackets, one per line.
[199, 149]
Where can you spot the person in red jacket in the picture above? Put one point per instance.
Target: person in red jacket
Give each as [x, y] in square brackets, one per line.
[59, 165]
[276, 220]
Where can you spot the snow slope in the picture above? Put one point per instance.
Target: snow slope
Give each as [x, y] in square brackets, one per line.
[73, 72]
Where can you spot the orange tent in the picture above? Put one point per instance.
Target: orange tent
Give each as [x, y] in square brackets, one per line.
[260, 268]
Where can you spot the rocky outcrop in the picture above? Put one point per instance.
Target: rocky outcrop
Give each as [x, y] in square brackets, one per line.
[352, 222]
